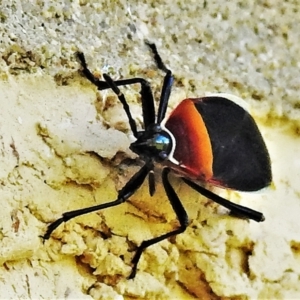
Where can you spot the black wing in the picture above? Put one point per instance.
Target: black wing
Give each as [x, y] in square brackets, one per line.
[240, 157]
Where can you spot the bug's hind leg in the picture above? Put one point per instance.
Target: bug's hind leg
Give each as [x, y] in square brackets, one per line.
[236, 209]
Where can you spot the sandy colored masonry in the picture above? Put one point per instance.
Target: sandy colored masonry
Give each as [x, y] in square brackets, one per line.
[64, 146]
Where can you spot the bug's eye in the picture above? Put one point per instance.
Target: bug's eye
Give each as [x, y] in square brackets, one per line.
[162, 144]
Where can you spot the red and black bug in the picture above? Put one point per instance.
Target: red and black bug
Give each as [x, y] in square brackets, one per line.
[209, 140]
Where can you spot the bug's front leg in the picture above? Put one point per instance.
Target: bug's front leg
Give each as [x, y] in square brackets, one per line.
[128, 190]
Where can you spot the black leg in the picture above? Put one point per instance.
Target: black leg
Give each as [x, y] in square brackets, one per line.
[146, 93]
[101, 85]
[151, 183]
[122, 99]
[128, 190]
[236, 209]
[167, 85]
[159, 63]
[164, 97]
[180, 214]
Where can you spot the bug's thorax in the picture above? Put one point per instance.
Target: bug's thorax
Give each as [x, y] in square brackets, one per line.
[154, 142]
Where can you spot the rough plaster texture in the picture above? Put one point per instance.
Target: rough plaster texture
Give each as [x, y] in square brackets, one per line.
[64, 145]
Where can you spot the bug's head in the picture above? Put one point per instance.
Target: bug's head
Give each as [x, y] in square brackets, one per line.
[154, 143]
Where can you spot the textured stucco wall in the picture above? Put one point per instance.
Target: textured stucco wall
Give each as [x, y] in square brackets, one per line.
[64, 146]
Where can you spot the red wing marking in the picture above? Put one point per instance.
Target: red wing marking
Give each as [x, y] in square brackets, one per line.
[193, 148]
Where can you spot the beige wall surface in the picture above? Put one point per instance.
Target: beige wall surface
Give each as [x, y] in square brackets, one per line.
[64, 146]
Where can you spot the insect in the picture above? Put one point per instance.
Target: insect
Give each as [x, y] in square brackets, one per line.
[204, 140]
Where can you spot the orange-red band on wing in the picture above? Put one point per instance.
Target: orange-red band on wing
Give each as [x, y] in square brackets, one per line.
[193, 148]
